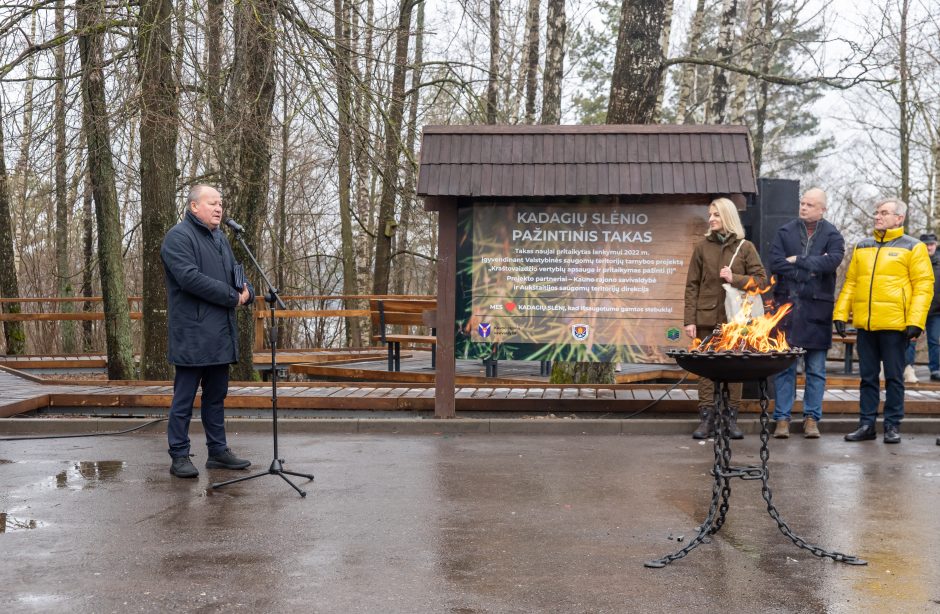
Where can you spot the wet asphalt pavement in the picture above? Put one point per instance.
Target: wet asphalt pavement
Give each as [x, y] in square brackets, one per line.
[465, 524]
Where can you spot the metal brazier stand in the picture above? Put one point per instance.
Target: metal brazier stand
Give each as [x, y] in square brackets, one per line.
[724, 367]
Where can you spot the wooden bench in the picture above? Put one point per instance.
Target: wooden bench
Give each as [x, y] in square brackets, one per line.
[405, 313]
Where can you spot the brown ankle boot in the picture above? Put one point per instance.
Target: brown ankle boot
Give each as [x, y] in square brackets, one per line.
[810, 429]
[706, 427]
[783, 429]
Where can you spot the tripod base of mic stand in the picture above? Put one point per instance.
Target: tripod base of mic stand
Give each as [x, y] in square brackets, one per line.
[276, 468]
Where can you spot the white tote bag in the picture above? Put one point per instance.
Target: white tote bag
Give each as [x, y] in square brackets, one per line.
[735, 298]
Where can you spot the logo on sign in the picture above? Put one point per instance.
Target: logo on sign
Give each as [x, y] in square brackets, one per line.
[580, 331]
[673, 334]
[484, 329]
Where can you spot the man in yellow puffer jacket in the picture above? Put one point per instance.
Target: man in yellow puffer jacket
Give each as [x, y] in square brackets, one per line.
[888, 289]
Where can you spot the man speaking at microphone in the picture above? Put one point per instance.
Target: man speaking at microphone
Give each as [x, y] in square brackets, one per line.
[202, 296]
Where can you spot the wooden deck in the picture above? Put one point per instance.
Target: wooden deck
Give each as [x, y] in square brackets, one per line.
[21, 393]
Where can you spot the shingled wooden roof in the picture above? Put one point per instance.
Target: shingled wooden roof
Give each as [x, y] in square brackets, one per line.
[499, 161]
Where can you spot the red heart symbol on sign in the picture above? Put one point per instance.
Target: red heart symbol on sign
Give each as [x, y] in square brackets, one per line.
[509, 306]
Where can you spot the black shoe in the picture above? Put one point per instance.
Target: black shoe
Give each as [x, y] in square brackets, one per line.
[226, 460]
[865, 432]
[935, 376]
[938, 441]
[891, 434]
[182, 467]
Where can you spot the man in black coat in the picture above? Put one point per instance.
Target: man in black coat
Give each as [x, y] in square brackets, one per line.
[203, 340]
[804, 256]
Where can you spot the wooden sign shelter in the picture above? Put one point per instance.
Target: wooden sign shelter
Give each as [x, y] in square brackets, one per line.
[608, 174]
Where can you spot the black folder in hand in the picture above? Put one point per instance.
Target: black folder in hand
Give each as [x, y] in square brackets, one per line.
[240, 279]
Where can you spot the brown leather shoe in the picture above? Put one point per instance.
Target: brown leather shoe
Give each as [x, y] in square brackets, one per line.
[783, 429]
[810, 429]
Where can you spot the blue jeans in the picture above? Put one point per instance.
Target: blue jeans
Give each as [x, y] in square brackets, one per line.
[874, 349]
[214, 381]
[814, 362]
[933, 342]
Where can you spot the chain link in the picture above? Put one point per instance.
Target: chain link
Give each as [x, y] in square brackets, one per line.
[723, 471]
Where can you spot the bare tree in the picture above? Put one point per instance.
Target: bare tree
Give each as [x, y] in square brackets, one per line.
[254, 78]
[555, 29]
[159, 129]
[13, 332]
[344, 85]
[90, 16]
[63, 275]
[638, 66]
[492, 79]
[719, 94]
[688, 70]
[531, 60]
[393, 125]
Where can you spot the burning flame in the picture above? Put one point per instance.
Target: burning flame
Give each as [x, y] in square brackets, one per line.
[746, 333]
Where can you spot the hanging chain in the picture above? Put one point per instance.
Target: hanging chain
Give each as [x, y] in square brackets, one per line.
[768, 496]
[722, 471]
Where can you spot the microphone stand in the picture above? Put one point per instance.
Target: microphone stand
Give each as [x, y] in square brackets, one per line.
[272, 299]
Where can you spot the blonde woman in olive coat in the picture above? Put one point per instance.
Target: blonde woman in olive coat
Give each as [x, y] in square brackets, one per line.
[705, 298]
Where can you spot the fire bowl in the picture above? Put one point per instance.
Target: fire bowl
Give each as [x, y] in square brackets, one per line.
[735, 366]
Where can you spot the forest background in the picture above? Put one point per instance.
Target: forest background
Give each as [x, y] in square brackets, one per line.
[307, 115]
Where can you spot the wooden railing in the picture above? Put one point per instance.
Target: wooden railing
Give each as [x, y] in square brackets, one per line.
[261, 311]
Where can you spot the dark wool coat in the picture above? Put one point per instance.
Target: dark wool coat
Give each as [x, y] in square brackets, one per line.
[809, 283]
[201, 295]
[704, 296]
[935, 303]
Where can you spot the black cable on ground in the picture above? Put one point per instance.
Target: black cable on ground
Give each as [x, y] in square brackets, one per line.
[30, 437]
[652, 403]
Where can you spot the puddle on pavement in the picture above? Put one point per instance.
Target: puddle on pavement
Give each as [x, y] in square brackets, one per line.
[88, 474]
[9, 523]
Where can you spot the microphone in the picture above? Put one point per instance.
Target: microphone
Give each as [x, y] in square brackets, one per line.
[234, 225]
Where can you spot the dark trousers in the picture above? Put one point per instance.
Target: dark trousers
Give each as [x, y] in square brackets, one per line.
[214, 380]
[874, 349]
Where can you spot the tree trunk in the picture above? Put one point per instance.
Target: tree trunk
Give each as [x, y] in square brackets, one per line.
[254, 84]
[905, 111]
[23, 170]
[215, 84]
[664, 44]
[688, 70]
[385, 229]
[492, 81]
[88, 253]
[364, 208]
[63, 277]
[159, 127]
[13, 332]
[531, 60]
[763, 89]
[341, 28]
[582, 373]
[409, 200]
[638, 64]
[101, 168]
[753, 32]
[717, 110]
[555, 29]
[935, 154]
